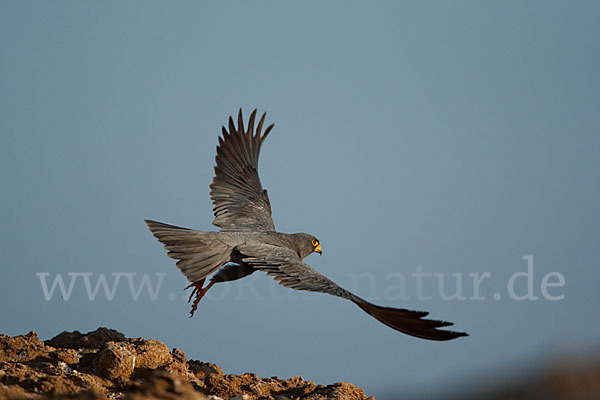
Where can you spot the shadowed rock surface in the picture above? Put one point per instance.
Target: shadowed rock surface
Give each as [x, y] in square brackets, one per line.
[104, 364]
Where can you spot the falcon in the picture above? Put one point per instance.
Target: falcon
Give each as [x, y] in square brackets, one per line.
[248, 241]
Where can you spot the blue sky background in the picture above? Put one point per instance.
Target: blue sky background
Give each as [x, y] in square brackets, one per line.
[459, 136]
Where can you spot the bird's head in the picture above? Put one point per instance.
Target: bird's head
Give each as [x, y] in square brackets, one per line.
[306, 244]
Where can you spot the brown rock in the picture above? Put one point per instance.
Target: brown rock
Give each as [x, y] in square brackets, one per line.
[178, 356]
[116, 361]
[178, 366]
[162, 385]
[105, 364]
[92, 340]
[15, 392]
[151, 354]
[203, 370]
[68, 356]
[21, 348]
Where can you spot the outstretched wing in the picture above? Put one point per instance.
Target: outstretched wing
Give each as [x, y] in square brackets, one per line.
[285, 266]
[239, 201]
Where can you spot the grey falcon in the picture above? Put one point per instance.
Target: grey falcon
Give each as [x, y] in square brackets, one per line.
[248, 241]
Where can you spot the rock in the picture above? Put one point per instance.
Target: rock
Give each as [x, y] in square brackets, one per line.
[179, 356]
[68, 356]
[151, 354]
[21, 348]
[92, 340]
[178, 365]
[105, 364]
[15, 393]
[162, 385]
[242, 397]
[116, 361]
[203, 370]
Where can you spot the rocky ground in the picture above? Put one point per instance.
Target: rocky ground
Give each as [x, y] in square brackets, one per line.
[105, 364]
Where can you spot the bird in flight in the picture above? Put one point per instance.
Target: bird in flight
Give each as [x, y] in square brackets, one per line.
[248, 241]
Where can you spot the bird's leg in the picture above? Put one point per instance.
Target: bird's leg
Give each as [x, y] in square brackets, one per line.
[199, 291]
[197, 287]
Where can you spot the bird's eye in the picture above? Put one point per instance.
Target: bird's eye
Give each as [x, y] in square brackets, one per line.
[315, 243]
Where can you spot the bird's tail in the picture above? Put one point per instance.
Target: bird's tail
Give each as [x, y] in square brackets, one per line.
[199, 253]
[409, 322]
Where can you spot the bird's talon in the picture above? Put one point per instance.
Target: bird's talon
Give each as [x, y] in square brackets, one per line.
[198, 292]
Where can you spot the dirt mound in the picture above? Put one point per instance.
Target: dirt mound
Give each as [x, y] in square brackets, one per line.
[105, 364]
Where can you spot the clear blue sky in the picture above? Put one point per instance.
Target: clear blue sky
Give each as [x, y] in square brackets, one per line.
[459, 136]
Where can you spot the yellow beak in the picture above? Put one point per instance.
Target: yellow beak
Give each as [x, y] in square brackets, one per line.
[318, 249]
